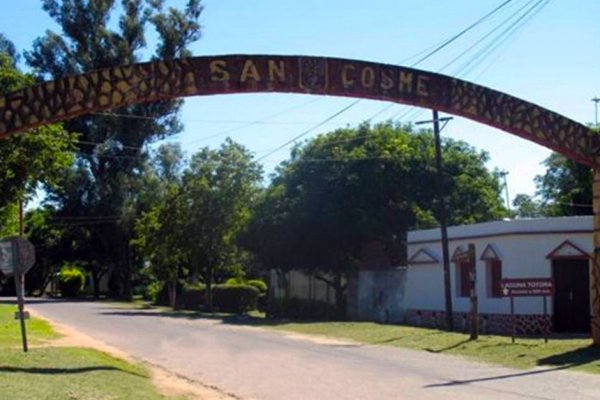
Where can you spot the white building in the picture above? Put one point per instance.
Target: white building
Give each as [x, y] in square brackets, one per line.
[558, 248]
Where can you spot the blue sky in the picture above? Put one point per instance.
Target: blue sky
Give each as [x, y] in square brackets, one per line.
[552, 60]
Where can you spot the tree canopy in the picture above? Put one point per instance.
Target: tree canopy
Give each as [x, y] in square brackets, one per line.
[342, 191]
[101, 184]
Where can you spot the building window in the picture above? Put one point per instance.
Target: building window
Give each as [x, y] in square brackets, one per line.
[464, 284]
[494, 276]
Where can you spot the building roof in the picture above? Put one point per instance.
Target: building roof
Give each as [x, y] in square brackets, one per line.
[578, 224]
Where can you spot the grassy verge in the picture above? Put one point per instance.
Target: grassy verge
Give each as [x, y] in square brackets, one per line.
[564, 353]
[47, 372]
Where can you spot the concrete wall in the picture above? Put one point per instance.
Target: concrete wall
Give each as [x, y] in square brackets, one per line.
[380, 295]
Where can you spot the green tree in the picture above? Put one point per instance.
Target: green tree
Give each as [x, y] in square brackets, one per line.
[528, 207]
[566, 186]
[111, 150]
[219, 187]
[194, 227]
[342, 191]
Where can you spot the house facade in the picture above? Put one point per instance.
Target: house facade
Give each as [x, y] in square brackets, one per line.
[558, 248]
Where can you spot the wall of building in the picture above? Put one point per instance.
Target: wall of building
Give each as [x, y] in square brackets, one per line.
[521, 245]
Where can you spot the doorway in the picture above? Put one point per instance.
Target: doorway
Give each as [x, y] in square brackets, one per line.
[572, 295]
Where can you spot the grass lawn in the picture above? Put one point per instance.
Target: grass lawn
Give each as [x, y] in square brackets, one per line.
[568, 353]
[59, 373]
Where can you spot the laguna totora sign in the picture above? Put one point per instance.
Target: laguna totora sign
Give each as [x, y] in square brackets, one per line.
[527, 287]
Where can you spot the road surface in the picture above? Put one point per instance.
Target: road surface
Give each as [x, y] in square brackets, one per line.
[255, 363]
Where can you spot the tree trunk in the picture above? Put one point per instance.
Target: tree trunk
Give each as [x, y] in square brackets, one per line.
[172, 287]
[340, 296]
[209, 294]
[95, 281]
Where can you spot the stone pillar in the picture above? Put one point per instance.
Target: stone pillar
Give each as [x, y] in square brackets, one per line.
[595, 292]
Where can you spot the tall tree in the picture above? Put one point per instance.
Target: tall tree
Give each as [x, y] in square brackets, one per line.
[219, 186]
[111, 151]
[29, 159]
[195, 226]
[566, 187]
[350, 188]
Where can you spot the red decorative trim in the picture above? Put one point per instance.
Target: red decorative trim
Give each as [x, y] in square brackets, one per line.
[567, 243]
[432, 258]
[459, 253]
[492, 250]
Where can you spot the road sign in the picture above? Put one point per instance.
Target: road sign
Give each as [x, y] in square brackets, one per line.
[6, 257]
[527, 287]
[17, 255]
[25, 254]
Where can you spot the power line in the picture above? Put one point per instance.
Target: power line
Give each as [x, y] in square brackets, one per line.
[306, 132]
[461, 33]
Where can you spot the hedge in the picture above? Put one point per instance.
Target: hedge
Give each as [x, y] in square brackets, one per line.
[226, 298]
[302, 309]
[71, 281]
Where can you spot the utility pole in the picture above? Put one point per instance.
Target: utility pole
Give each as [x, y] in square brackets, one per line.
[474, 331]
[442, 215]
[20, 284]
[596, 100]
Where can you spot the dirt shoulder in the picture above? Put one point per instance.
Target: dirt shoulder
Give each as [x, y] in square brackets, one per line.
[168, 383]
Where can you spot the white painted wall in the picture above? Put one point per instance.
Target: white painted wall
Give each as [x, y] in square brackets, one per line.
[521, 244]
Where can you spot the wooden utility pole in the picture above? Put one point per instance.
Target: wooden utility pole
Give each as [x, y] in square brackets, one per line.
[596, 261]
[20, 283]
[443, 222]
[441, 197]
[473, 293]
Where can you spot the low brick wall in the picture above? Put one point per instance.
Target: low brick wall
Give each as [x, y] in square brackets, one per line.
[526, 324]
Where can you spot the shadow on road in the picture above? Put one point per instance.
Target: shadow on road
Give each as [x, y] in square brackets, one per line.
[495, 378]
[573, 358]
[60, 371]
[230, 319]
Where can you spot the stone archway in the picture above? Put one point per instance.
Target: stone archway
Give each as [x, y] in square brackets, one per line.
[110, 88]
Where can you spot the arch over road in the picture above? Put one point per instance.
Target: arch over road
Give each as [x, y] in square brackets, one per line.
[110, 88]
[114, 87]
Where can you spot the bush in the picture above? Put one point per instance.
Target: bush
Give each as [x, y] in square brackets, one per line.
[259, 284]
[193, 297]
[235, 281]
[152, 291]
[301, 309]
[70, 281]
[235, 298]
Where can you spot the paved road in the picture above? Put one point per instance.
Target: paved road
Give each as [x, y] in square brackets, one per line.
[258, 364]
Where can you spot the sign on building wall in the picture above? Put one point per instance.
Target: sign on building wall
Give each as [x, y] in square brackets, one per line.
[527, 287]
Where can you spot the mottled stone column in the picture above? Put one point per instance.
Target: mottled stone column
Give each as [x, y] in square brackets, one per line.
[595, 292]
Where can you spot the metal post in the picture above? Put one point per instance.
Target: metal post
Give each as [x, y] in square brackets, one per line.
[596, 100]
[512, 318]
[473, 294]
[20, 284]
[545, 321]
[443, 222]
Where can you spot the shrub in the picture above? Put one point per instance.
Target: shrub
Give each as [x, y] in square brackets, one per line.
[71, 281]
[235, 298]
[235, 281]
[259, 284]
[193, 297]
[152, 291]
